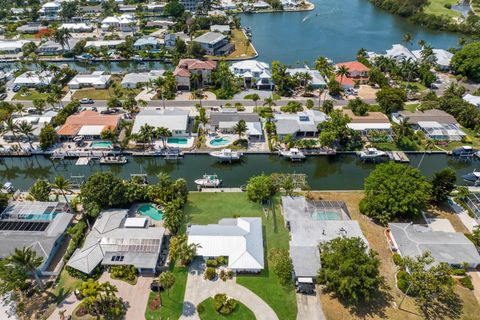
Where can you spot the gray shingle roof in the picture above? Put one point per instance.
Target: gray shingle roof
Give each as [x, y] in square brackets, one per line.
[217, 117]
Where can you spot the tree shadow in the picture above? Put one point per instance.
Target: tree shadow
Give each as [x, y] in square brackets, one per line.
[447, 306]
[188, 309]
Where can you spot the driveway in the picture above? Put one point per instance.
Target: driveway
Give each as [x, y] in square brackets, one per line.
[199, 289]
[7, 308]
[263, 94]
[309, 307]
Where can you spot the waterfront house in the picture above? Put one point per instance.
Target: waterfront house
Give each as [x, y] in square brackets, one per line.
[161, 24]
[51, 47]
[154, 9]
[117, 240]
[227, 5]
[31, 79]
[317, 80]
[412, 240]
[171, 39]
[31, 28]
[372, 122]
[357, 72]
[222, 28]
[124, 23]
[436, 124]
[49, 11]
[225, 122]
[217, 13]
[215, 44]
[96, 79]
[89, 124]
[36, 121]
[475, 100]
[187, 67]
[147, 43]
[134, 80]
[442, 58]
[300, 124]
[240, 239]
[311, 223]
[37, 225]
[255, 74]
[400, 53]
[98, 44]
[191, 5]
[77, 27]
[91, 10]
[175, 120]
[8, 47]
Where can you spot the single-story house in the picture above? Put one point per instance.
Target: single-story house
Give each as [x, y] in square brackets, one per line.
[124, 23]
[147, 43]
[12, 47]
[32, 79]
[52, 48]
[222, 28]
[96, 79]
[175, 120]
[372, 122]
[225, 121]
[162, 24]
[317, 81]
[436, 124]
[311, 223]
[255, 74]
[215, 44]
[400, 53]
[31, 28]
[36, 121]
[89, 124]
[475, 100]
[300, 124]
[240, 239]
[187, 67]
[114, 240]
[442, 58]
[357, 71]
[110, 44]
[77, 27]
[133, 80]
[37, 225]
[453, 248]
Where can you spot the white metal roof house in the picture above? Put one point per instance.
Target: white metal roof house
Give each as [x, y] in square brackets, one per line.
[317, 81]
[255, 74]
[52, 48]
[49, 10]
[76, 27]
[412, 240]
[133, 80]
[225, 122]
[96, 79]
[300, 124]
[115, 240]
[175, 120]
[125, 23]
[399, 52]
[12, 47]
[240, 239]
[214, 43]
[442, 58]
[32, 79]
[97, 44]
[147, 43]
[36, 225]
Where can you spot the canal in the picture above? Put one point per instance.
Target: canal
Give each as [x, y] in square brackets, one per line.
[340, 172]
[335, 29]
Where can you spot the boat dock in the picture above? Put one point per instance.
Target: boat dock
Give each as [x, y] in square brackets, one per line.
[219, 190]
[398, 156]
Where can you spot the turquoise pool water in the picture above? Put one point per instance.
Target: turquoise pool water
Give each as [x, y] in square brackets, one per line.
[101, 145]
[40, 217]
[218, 142]
[150, 211]
[177, 140]
[326, 215]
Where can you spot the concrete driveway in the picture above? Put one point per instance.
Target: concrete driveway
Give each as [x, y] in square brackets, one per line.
[309, 307]
[199, 289]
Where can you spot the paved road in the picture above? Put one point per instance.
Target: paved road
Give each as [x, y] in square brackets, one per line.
[199, 289]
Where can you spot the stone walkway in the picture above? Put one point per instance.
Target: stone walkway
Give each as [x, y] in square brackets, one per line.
[199, 289]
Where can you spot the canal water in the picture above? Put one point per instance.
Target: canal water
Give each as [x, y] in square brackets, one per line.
[340, 172]
[335, 29]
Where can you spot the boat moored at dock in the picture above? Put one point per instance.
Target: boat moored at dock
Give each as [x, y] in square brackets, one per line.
[293, 154]
[226, 155]
[208, 181]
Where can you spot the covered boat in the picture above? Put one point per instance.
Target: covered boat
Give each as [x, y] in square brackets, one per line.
[293, 154]
[371, 153]
[226, 155]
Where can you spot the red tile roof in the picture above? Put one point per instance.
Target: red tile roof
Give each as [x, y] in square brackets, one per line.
[350, 80]
[354, 66]
[88, 118]
[184, 65]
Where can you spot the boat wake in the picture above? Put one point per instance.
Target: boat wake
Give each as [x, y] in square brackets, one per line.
[307, 17]
[331, 11]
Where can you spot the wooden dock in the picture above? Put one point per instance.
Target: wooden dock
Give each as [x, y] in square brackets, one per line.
[398, 156]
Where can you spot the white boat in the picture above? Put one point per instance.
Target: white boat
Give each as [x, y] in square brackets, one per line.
[464, 151]
[113, 160]
[209, 181]
[293, 154]
[371, 153]
[473, 177]
[7, 187]
[226, 155]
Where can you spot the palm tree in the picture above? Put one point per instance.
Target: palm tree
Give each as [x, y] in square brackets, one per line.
[198, 94]
[162, 133]
[240, 128]
[12, 127]
[63, 185]
[26, 129]
[27, 259]
[147, 133]
[270, 102]
[39, 105]
[255, 98]
[323, 66]
[166, 280]
[342, 71]
[196, 79]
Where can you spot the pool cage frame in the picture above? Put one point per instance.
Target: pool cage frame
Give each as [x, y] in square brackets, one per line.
[473, 203]
[326, 205]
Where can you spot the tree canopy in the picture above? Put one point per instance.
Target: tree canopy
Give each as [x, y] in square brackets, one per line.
[466, 61]
[260, 188]
[443, 183]
[391, 99]
[394, 190]
[40, 190]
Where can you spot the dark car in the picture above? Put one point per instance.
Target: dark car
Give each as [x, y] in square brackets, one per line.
[3, 96]
[16, 88]
[155, 286]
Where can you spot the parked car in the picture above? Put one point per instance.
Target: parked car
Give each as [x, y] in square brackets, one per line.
[155, 286]
[3, 96]
[16, 88]
[86, 101]
[109, 111]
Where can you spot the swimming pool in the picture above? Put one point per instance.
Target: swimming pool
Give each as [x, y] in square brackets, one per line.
[220, 142]
[101, 145]
[326, 215]
[150, 211]
[40, 217]
[177, 140]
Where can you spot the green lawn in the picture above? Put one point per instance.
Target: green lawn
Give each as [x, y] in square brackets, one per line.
[31, 95]
[437, 7]
[205, 208]
[172, 303]
[66, 284]
[411, 107]
[240, 313]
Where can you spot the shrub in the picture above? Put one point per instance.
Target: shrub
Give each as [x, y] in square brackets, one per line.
[212, 263]
[127, 272]
[223, 304]
[467, 282]
[282, 265]
[459, 272]
[222, 260]
[210, 274]
[223, 275]
[403, 281]
[95, 274]
[397, 259]
[230, 274]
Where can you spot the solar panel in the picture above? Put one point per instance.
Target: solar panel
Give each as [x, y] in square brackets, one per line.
[23, 225]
